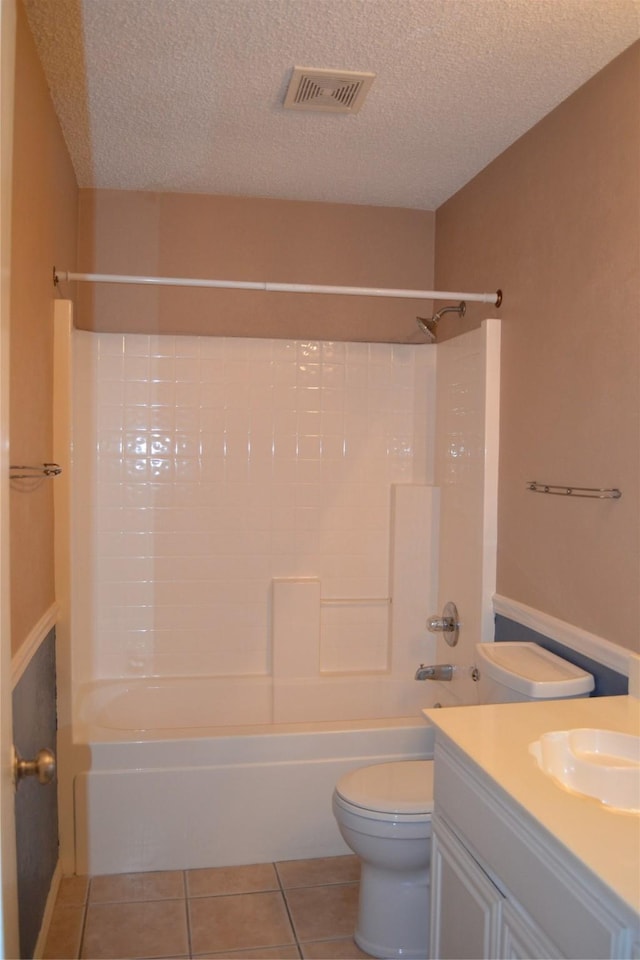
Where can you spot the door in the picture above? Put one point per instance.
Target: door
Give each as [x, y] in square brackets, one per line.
[9, 900]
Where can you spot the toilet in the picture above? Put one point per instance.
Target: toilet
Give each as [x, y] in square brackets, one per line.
[384, 811]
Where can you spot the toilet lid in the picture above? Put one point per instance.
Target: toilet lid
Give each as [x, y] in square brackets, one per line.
[405, 786]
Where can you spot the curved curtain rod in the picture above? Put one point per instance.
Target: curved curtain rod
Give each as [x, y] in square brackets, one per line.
[61, 276]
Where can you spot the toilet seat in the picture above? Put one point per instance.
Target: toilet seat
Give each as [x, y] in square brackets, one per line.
[400, 791]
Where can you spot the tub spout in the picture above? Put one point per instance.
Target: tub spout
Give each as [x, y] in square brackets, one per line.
[439, 671]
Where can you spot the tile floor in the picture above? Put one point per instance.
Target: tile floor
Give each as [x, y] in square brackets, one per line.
[271, 911]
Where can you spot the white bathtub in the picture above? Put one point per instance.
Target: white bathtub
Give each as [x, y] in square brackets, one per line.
[142, 705]
[155, 789]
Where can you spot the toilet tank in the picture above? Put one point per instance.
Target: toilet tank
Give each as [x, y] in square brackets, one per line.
[513, 672]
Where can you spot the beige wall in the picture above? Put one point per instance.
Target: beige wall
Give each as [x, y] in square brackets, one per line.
[555, 222]
[241, 238]
[44, 234]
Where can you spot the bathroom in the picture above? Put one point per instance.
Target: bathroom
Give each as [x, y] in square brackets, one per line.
[551, 221]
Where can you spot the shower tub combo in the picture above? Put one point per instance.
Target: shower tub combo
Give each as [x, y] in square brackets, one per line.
[163, 783]
[187, 772]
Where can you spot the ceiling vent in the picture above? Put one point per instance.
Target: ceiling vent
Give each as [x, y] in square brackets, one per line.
[331, 91]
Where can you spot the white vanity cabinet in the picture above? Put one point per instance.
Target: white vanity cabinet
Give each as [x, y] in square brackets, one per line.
[471, 916]
[465, 904]
[502, 886]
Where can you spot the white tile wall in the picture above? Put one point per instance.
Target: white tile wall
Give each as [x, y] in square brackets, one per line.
[468, 389]
[354, 636]
[414, 575]
[207, 467]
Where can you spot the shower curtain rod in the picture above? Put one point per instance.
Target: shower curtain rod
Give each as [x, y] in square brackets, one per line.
[61, 276]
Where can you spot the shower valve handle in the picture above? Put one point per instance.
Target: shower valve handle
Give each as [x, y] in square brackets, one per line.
[448, 623]
[441, 624]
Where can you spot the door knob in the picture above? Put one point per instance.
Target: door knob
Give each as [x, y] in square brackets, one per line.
[43, 767]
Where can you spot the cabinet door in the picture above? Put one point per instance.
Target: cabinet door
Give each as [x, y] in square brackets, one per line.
[465, 905]
[522, 939]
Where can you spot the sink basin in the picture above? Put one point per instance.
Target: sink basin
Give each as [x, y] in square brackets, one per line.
[595, 763]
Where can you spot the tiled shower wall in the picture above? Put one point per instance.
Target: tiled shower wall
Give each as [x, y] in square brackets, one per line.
[467, 449]
[206, 467]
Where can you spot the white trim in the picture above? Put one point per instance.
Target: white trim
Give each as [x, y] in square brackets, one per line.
[9, 937]
[21, 660]
[492, 334]
[603, 651]
[41, 942]
[63, 537]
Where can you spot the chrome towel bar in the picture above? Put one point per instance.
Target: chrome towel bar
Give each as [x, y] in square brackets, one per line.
[595, 493]
[34, 472]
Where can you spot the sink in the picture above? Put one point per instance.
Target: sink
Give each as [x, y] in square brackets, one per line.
[595, 763]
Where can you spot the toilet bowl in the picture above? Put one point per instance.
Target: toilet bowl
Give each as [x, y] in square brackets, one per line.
[384, 815]
[384, 811]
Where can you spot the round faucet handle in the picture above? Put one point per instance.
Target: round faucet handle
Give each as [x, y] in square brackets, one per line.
[448, 623]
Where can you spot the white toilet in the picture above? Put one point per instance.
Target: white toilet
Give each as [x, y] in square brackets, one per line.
[384, 811]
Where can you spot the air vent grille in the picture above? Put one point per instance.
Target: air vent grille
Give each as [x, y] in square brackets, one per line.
[327, 90]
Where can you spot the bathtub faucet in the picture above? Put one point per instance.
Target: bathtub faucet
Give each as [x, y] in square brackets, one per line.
[439, 671]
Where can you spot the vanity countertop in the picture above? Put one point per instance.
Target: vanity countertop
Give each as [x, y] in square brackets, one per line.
[496, 737]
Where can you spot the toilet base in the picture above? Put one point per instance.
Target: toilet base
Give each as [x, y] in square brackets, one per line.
[375, 950]
[393, 915]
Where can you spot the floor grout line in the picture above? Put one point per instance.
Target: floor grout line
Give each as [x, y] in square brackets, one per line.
[83, 925]
[279, 887]
[286, 906]
[185, 886]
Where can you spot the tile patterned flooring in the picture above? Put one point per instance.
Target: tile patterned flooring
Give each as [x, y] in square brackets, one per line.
[267, 911]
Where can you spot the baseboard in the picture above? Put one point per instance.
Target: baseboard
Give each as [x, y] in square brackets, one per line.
[41, 942]
[603, 651]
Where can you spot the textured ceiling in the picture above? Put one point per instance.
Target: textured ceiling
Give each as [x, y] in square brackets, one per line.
[186, 95]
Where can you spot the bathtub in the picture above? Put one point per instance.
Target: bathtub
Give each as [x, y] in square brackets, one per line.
[156, 788]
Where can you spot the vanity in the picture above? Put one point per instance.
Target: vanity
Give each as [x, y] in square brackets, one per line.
[521, 867]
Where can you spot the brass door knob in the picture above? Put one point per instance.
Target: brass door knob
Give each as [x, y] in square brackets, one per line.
[43, 767]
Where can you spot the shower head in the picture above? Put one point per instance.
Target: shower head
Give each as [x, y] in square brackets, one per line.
[429, 326]
[425, 325]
